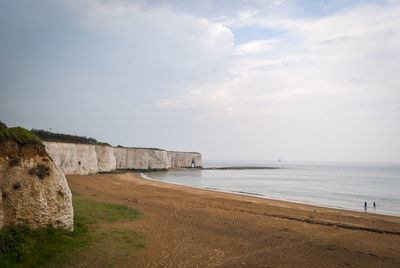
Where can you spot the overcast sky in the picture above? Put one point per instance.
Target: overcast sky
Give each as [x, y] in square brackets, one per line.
[235, 80]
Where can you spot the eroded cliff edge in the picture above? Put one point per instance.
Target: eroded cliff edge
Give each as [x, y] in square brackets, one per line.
[34, 191]
[83, 159]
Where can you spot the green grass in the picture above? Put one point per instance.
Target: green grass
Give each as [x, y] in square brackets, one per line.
[19, 134]
[76, 142]
[141, 148]
[91, 212]
[122, 239]
[75, 193]
[23, 247]
[90, 241]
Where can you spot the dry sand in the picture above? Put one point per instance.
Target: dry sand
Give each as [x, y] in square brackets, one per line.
[188, 227]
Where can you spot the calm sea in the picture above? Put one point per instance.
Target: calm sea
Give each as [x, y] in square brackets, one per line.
[338, 185]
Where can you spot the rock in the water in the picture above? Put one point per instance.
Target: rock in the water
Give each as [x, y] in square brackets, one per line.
[33, 190]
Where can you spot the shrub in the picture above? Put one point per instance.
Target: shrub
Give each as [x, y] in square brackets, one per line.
[15, 162]
[20, 245]
[41, 171]
[59, 137]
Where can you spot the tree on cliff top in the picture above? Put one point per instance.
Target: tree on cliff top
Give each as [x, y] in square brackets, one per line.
[59, 137]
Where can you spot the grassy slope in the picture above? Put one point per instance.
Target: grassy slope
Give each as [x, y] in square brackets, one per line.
[94, 240]
[19, 134]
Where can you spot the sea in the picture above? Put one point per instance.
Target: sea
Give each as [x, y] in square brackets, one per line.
[336, 185]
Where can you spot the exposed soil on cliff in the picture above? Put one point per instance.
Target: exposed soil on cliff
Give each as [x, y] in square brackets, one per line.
[186, 227]
[19, 142]
[13, 148]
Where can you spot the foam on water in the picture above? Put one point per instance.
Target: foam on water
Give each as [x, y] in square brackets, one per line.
[338, 185]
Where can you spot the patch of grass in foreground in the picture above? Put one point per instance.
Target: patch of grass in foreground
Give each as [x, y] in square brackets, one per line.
[91, 212]
[23, 247]
[74, 193]
[90, 241]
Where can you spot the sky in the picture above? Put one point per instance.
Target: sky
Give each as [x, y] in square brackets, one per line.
[295, 80]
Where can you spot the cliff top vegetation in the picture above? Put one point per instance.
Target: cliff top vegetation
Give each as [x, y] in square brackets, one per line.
[18, 134]
[184, 152]
[60, 137]
[143, 148]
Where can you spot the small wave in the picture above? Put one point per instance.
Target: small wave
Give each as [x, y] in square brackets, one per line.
[248, 193]
[146, 177]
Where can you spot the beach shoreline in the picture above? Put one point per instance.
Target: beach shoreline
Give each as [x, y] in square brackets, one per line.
[361, 210]
[189, 227]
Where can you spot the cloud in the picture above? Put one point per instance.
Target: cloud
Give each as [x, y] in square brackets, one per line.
[95, 54]
[234, 79]
[117, 45]
[348, 54]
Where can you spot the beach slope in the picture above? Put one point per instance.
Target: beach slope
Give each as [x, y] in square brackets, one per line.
[187, 227]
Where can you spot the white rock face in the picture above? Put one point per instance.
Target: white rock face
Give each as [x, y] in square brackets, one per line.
[86, 159]
[158, 159]
[31, 200]
[138, 158]
[105, 158]
[81, 159]
[184, 159]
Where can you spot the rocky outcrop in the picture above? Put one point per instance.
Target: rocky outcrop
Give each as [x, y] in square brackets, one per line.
[33, 190]
[81, 159]
[140, 158]
[184, 159]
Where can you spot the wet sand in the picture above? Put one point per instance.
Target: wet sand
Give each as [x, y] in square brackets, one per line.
[188, 227]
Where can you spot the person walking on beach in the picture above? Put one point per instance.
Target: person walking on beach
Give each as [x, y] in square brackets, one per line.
[374, 205]
[365, 205]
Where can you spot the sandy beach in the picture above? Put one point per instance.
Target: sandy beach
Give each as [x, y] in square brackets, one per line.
[188, 227]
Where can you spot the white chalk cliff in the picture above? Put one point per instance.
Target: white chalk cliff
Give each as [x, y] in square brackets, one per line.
[184, 159]
[85, 159]
[140, 158]
[81, 159]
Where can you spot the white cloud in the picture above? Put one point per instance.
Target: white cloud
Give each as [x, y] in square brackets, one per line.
[165, 48]
[168, 74]
[347, 54]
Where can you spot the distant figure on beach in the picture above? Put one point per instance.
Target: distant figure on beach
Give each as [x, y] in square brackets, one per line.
[365, 205]
[374, 205]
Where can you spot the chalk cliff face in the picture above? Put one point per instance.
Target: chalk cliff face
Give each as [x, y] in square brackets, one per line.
[138, 158]
[33, 190]
[86, 159]
[184, 159]
[81, 159]
[105, 158]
